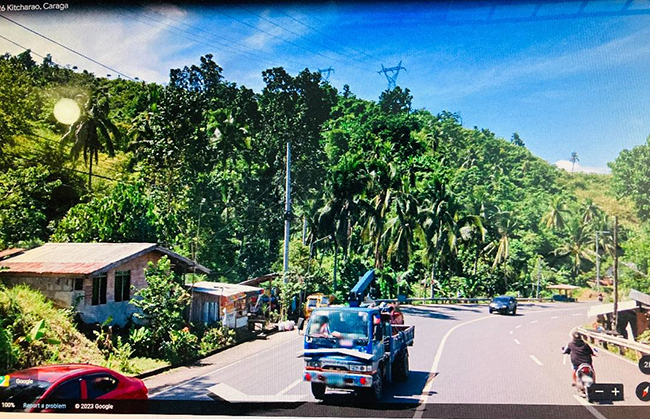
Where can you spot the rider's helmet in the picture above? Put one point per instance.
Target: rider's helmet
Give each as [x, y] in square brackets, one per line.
[576, 336]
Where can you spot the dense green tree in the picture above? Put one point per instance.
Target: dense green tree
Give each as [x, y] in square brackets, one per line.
[631, 177]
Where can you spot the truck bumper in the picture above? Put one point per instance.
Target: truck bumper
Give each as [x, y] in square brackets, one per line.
[337, 379]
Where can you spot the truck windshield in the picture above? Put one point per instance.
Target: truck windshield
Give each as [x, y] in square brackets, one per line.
[339, 324]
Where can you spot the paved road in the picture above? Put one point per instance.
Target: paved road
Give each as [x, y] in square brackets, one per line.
[462, 355]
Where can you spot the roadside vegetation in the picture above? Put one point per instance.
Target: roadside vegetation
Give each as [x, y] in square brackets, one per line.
[198, 165]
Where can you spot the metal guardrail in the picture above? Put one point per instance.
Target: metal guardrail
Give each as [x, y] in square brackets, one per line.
[623, 345]
[456, 300]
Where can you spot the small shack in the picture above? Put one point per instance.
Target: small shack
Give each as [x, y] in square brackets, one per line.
[563, 292]
[220, 301]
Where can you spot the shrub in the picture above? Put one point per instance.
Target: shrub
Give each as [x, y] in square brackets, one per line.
[120, 358]
[216, 338]
[182, 346]
[141, 339]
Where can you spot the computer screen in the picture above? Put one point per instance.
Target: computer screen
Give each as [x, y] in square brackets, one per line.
[325, 209]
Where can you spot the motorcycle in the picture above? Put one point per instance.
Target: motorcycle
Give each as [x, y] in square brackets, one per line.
[585, 378]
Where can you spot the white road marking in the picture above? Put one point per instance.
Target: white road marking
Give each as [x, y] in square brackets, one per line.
[222, 368]
[518, 327]
[229, 394]
[537, 361]
[577, 314]
[436, 361]
[289, 387]
[511, 332]
[564, 360]
[589, 407]
[534, 321]
[517, 342]
[554, 317]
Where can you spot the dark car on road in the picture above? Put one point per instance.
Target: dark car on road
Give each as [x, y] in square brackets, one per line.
[504, 305]
[78, 382]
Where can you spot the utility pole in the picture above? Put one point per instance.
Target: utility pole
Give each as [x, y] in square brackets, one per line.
[616, 273]
[287, 212]
[539, 275]
[598, 260]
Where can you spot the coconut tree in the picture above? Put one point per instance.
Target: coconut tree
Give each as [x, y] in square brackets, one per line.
[578, 247]
[574, 158]
[554, 218]
[505, 225]
[93, 132]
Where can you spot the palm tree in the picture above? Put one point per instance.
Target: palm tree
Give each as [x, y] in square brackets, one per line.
[92, 133]
[505, 225]
[402, 228]
[590, 211]
[554, 218]
[574, 158]
[578, 248]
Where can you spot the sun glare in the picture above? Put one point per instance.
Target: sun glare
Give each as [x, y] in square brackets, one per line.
[66, 111]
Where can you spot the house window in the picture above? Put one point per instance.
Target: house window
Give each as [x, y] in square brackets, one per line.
[122, 286]
[99, 289]
[78, 284]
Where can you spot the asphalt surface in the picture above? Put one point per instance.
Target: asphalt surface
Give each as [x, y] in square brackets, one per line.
[464, 363]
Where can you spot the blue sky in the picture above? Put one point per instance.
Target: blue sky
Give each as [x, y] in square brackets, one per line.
[564, 83]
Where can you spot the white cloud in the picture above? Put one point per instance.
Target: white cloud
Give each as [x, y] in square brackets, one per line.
[567, 165]
[122, 40]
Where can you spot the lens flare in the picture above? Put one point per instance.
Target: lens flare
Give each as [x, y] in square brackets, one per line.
[66, 111]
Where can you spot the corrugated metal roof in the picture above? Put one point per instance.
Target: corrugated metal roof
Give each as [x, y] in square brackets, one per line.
[224, 289]
[81, 258]
[7, 253]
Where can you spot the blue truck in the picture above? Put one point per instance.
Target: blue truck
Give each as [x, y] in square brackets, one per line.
[355, 348]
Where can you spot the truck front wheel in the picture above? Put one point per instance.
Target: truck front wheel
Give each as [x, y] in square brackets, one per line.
[374, 393]
[318, 390]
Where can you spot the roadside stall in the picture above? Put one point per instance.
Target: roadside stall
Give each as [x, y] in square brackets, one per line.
[219, 301]
[564, 292]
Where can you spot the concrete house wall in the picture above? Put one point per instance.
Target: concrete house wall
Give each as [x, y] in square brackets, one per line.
[119, 311]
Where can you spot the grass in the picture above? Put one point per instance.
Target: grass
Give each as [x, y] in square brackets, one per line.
[142, 364]
[21, 309]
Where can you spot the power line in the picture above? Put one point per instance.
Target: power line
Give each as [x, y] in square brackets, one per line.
[296, 34]
[67, 48]
[252, 55]
[274, 36]
[26, 49]
[373, 57]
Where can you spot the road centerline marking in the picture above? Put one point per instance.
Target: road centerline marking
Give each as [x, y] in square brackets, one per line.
[589, 407]
[517, 342]
[534, 321]
[554, 317]
[577, 314]
[518, 327]
[537, 361]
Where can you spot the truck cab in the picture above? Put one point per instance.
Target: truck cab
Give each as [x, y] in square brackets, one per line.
[355, 348]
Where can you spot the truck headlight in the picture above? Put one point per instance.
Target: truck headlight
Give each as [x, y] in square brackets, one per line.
[313, 364]
[361, 368]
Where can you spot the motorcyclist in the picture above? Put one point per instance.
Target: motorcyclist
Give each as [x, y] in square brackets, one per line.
[600, 297]
[581, 353]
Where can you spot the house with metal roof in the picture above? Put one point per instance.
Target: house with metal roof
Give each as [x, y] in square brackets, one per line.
[99, 279]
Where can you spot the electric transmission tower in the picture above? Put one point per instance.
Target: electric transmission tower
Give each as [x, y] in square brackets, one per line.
[326, 72]
[394, 72]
